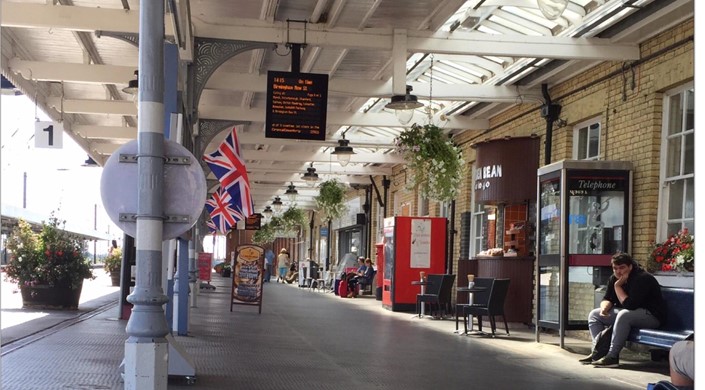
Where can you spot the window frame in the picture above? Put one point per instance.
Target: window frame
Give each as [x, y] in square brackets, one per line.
[662, 220]
[587, 124]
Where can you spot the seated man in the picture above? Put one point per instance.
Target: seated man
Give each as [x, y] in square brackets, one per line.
[681, 359]
[633, 299]
[365, 277]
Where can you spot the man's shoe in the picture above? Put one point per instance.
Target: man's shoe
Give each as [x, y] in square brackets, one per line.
[588, 359]
[607, 362]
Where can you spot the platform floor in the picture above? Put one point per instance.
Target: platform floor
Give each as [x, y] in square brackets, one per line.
[313, 340]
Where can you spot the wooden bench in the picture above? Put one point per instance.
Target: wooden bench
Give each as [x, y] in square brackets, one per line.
[679, 322]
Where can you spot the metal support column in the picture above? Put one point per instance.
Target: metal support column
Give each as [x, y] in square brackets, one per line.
[146, 349]
[181, 289]
[193, 270]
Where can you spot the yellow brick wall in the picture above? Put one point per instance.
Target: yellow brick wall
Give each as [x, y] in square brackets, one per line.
[631, 127]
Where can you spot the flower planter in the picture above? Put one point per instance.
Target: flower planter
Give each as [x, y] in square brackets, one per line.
[675, 279]
[50, 297]
[115, 278]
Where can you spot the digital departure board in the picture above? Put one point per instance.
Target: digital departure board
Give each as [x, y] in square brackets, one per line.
[296, 105]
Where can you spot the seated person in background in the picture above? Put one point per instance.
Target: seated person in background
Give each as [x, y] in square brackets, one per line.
[365, 277]
[292, 275]
[633, 299]
[681, 359]
[361, 266]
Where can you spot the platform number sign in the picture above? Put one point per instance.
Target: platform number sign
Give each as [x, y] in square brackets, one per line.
[48, 135]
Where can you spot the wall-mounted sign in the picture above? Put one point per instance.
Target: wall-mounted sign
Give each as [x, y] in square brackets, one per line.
[296, 105]
[48, 135]
[253, 222]
[505, 170]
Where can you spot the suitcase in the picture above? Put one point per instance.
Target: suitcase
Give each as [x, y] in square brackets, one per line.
[343, 288]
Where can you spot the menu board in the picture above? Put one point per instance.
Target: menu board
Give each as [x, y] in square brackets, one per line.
[248, 276]
[296, 105]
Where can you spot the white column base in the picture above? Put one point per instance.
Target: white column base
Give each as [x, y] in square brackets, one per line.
[146, 365]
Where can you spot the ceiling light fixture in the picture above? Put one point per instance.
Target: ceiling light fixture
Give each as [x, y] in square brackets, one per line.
[310, 176]
[277, 203]
[552, 9]
[133, 86]
[404, 106]
[343, 151]
[267, 212]
[291, 192]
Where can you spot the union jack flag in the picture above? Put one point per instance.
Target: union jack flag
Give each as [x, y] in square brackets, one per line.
[229, 167]
[211, 226]
[223, 212]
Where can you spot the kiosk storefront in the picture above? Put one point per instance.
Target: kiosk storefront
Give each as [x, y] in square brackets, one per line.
[505, 190]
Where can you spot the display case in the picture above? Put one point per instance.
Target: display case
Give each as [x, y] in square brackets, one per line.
[584, 214]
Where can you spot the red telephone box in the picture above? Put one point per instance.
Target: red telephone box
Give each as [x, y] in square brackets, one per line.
[411, 245]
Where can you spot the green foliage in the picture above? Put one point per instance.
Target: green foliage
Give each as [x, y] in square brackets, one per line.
[50, 257]
[265, 235]
[294, 217]
[113, 261]
[290, 221]
[331, 199]
[436, 165]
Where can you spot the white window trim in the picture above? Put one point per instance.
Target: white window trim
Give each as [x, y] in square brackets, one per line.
[576, 129]
[661, 223]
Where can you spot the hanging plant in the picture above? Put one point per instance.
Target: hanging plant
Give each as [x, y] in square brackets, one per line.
[267, 232]
[293, 217]
[436, 166]
[331, 199]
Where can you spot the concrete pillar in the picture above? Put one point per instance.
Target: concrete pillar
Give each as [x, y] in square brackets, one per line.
[146, 349]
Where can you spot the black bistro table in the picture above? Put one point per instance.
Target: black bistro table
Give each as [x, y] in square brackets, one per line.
[469, 291]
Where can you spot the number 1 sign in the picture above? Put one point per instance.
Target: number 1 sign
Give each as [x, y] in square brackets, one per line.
[48, 135]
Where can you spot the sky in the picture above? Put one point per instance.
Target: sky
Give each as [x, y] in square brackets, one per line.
[56, 179]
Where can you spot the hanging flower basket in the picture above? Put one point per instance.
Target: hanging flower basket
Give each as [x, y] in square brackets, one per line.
[331, 199]
[435, 165]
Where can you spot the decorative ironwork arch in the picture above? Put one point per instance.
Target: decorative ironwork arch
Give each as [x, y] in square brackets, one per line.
[211, 53]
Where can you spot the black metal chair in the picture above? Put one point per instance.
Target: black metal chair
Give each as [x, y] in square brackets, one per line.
[480, 299]
[431, 292]
[494, 306]
[444, 303]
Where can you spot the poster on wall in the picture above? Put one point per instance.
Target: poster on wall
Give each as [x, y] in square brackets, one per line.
[248, 276]
[420, 243]
[204, 261]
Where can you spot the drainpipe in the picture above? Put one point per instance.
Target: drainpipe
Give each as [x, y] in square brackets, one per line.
[451, 238]
[146, 349]
[550, 111]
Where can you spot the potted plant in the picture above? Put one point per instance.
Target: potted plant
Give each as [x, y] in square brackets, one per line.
[49, 265]
[227, 270]
[435, 164]
[677, 254]
[112, 265]
[673, 261]
[331, 199]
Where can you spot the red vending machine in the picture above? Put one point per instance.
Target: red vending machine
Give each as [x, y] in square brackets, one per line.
[411, 245]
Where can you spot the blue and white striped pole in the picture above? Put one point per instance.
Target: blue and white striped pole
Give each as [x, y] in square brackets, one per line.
[146, 349]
